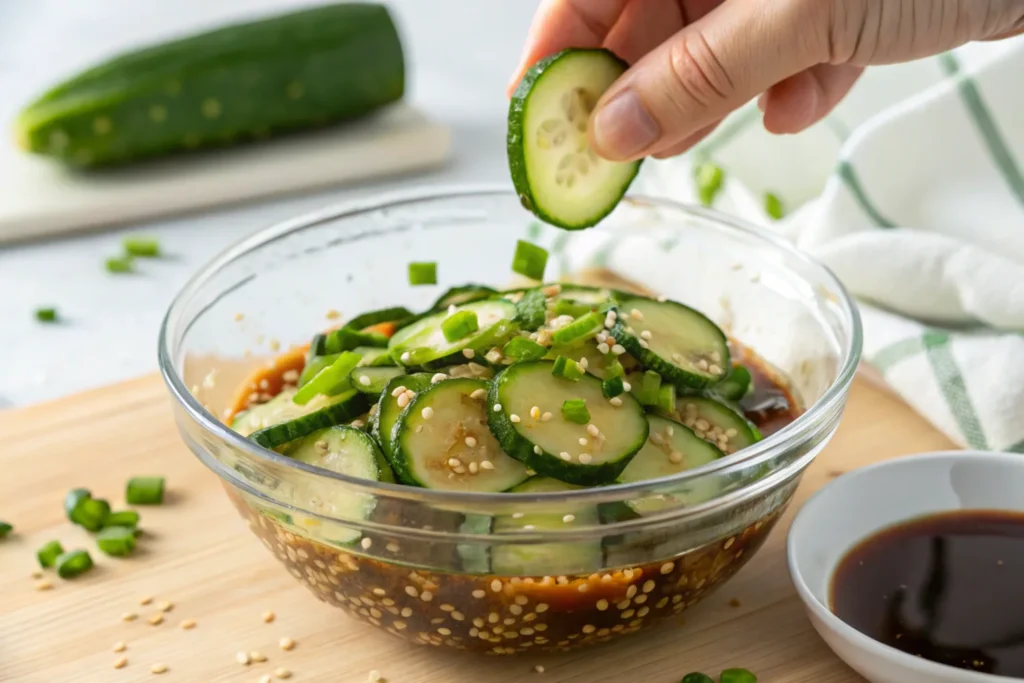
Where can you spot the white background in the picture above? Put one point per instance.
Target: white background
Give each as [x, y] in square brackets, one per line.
[459, 52]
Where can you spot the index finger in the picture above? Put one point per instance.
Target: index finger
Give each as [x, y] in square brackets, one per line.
[559, 24]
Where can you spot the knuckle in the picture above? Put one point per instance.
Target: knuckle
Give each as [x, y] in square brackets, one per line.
[696, 71]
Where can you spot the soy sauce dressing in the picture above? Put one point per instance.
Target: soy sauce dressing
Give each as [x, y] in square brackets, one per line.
[948, 588]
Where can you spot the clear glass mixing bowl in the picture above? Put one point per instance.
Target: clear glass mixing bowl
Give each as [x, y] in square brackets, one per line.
[419, 565]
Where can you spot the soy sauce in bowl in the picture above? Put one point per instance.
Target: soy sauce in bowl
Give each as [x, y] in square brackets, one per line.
[948, 588]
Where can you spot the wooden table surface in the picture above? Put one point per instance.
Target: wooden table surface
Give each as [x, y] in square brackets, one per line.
[199, 555]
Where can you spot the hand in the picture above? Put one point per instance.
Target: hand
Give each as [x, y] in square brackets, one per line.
[694, 61]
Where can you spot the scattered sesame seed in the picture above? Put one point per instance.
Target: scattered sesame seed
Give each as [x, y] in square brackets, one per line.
[615, 401]
[546, 417]
[602, 605]
[583, 441]
[714, 369]
[568, 518]
[603, 347]
[406, 612]
[564, 455]
[146, 600]
[468, 353]
[286, 643]
[626, 386]
[268, 617]
[528, 527]
[364, 380]
[156, 619]
[158, 668]
[538, 450]
[438, 377]
[282, 672]
[375, 677]
[265, 678]
[405, 357]
[473, 468]
[239, 316]
[668, 567]
[478, 594]
[538, 669]
[165, 606]
[366, 543]
[478, 394]
[426, 596]
[242, 658]
[585, 458]
[646, 334]
[541, 607]
[497, 407]
[129, 616]
[535, 413]
[120, 646]
[486, 465]
[518, 515]
[257, 656]
[631, 591]
[593, 430]
[470, 441]
[515, 418]
[120, 662]
[398, 391]
[496, 586]
[44, 585]
[618, 349]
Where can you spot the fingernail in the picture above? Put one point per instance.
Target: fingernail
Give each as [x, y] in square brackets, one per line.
[623, 127]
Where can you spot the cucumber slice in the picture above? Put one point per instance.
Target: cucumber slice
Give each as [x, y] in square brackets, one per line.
[347, 451]
[422, 344]
[373, 380]
[680, 344]
[290, 421]
[671, 448]
[390, 407]
[546, 558]
[463, 294]
[442, 441]
[737, 384]
[556, 174]
[715, 422]
[594, 298]
[596, 364]
[522, 395]
[369, 356]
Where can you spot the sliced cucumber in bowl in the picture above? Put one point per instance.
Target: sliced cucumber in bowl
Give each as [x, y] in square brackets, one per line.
[556, 174]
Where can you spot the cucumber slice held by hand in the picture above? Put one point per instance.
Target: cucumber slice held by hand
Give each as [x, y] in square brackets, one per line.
[556, 174]
[525, 414]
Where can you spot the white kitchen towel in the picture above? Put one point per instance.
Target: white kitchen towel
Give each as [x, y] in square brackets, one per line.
[912, 192]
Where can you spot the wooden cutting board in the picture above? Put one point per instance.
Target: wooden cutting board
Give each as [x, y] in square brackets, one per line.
[198, 554]
[39, 197]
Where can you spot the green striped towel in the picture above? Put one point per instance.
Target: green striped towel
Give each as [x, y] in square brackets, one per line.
[912, 192]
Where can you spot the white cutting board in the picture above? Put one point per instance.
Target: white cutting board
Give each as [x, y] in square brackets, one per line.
[40, 197]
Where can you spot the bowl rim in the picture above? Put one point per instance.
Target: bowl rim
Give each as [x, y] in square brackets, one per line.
[795, 433]
[863, 643]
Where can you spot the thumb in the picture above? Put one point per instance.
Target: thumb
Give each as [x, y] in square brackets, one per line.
[705, 71]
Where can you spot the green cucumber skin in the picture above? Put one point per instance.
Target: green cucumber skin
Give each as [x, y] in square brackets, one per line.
[416, 382]
[345, 410]
[240, 82]
[549, 464]
[463, 294]
[516, 147]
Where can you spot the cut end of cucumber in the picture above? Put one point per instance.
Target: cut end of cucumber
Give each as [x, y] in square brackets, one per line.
[556, 173]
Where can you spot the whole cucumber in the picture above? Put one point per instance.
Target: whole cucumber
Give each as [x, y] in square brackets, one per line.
[241, 82]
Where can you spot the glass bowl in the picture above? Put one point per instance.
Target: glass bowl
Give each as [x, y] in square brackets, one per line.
[416, 562]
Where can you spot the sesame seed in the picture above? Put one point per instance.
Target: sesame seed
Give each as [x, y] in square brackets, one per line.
[486, 465]
[602, 605]
[478, 394]
[473, 468]
[282, 672]
[146, 600]
[398, 391]
[478, 594]
[257, 656]
[593, 430]
[265, 678]
[426, 596]
[568, 518]
[589, 628]
[158, 668]
[497, 407]
[615, 401]
[129, 616]
[366, 543]
[668, 567]
[626, 386]
[120, 662]
[412, 592]
[538, 669]
[535, 413]
[628, 613]
[644, 344]
[564, 455]
[165, 606]
[156, 619]
[286, 643]
[120, 646]
[529, 527]
[364, 380]
[515, 418]
[583, 441]
[541, 608]
[454, 462]
[702, 364]
[602, 347]
[585, 458]
[44, 585]
[403, 400]
[405, 357]
[242, 658]
[631, 591]
[546, 417]
[496, 586]
[406, 612]
[268, 617]
[618, 349]
[714, 369]
[468, 353]
[427, 413]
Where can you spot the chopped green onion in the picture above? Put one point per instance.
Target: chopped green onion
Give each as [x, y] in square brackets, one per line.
[575, 410]
[126, 518]
[735, 385]
[116, 541]
[578, 330]
[88, 512]
[5, 528]
[72, 498]
[460, 324]
[570, 307]
[650, 385]
[523, 349]
[667, 398]
[531, 310]
[709, 178]
[529, 260]
[330, 381]
[423, 273]
[144, 247]
[737, 676]
[348, 338]
[383, 315]
[612, 387]
[567, 368]
[70, 565]
[46, 315]
[697, 677]
[48, 554]
[120, 264]
[773, 206]
[144, 491]
[614, 369]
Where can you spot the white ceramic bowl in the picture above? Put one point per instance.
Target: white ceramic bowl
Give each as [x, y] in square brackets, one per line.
[865, 501]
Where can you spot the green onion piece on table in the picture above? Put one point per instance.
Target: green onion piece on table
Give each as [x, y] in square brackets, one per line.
[423, 273]
[650, 385]
[145, 491]
[330, 381]
[70, 565]
[613, 386]
[737, 676]
[697, 677]
[575, 410]
[567, 368]
[522, 349]
[579, 330]
[5, 528]
[459, 325]
[124, 518]
[530, 260]
[141, 246]
[72, 498]
[48, 554]
[89, 513]
[119, 264]
[666, 398]
[116, 541]
[46, 315]
[709, 179]
[773, 206]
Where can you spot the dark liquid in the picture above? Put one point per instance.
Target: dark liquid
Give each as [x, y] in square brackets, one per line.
[769, 405]
[949, 588]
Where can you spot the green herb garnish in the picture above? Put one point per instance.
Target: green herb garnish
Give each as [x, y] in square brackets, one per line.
[530, 260]
[48, 554]
[575, 410]
[459, 324]
[143, 247]
[5, 528]
[120, 264]
[70, 565]
[578, 330]
[709, 178]
[567, 368]
[737, 676]
[773, 206]
[125, 518]
[87, 512]
[116, 541]
[145, 491]
[423, 273]
[330, 381]
[46, 315]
